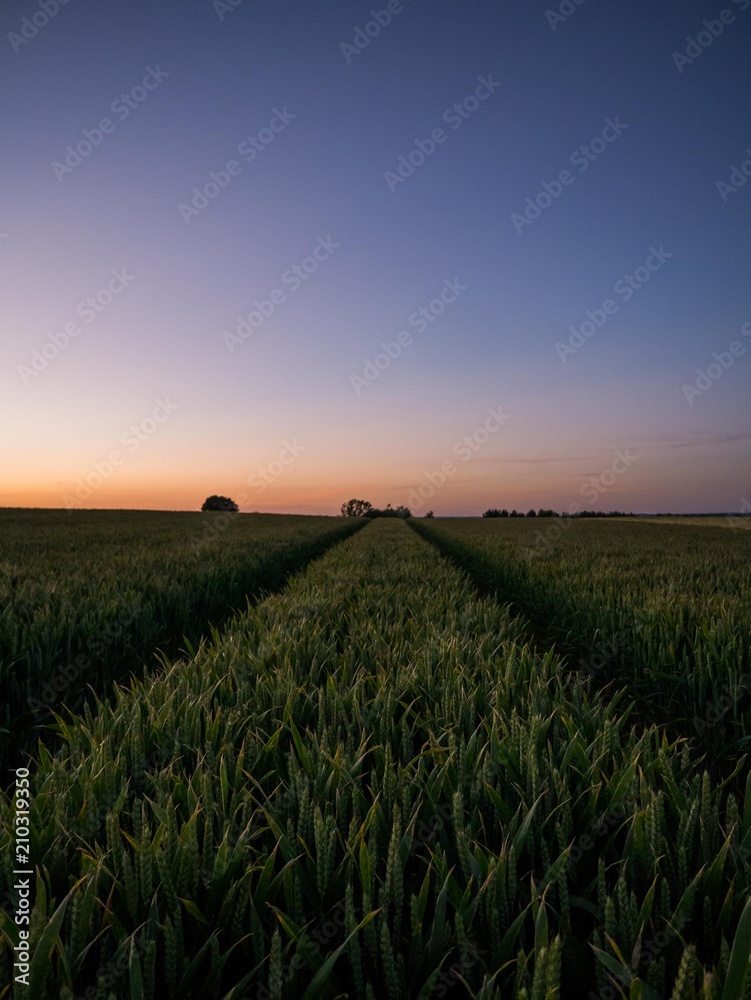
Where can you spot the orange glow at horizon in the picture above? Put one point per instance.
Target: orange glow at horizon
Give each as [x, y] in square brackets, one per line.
[462, 488]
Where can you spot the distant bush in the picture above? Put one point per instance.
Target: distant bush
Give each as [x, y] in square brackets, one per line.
[600, 513]
[220, 503]
[388, 511]
[543, 512]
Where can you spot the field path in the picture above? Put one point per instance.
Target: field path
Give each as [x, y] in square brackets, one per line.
[150, 583]
[368, 786]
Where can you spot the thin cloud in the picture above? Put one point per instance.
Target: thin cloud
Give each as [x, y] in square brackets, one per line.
[695, 442]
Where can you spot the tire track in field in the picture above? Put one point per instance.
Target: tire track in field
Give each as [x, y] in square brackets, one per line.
[27, 729]
[604, 666]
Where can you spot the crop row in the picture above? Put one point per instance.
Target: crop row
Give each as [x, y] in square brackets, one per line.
[86, 597]
[369, 786]
[662, 609]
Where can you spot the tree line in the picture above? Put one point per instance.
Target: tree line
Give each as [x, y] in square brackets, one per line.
[364, 508]
[494, 512]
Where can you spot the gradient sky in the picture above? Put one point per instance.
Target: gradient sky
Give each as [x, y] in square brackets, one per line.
[225, 73]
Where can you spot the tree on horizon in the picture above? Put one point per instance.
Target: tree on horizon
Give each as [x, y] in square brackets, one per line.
[355, 508]
[215, 502]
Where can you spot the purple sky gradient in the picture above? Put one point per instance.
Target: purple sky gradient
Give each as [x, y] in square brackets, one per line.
[299, 416]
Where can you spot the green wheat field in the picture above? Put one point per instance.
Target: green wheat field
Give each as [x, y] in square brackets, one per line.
[275, 757]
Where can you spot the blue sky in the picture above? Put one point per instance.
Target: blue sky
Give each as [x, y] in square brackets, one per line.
[344, 120]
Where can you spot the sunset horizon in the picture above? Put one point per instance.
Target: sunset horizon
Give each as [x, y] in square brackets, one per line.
[303, 257]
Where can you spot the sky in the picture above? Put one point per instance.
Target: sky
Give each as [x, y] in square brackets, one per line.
[450, 255]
